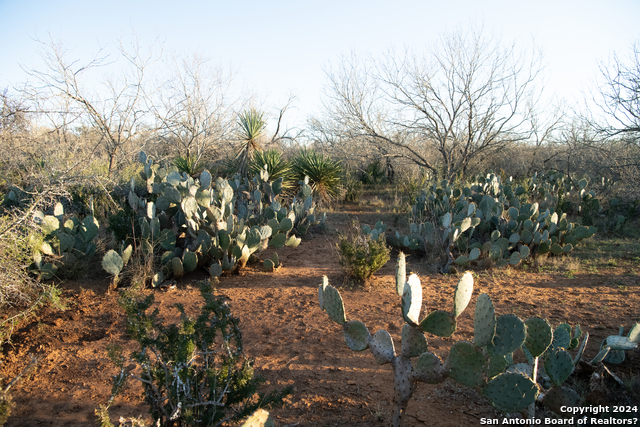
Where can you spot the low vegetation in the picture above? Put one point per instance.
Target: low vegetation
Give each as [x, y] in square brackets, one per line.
[194, 373]
[154, 195]
[487, 364]
[363, 251]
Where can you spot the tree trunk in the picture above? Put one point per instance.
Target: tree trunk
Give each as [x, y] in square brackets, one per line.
[112, 162]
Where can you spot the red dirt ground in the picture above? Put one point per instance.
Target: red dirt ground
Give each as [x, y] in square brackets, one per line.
[293, 342]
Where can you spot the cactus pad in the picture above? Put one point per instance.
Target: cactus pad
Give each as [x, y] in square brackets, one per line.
[634, 333]
[617, 342]
[293, 241]
[462, 261]
[604, 351]
[510, 335]
[286, 225]
[557, 397]
[515, 258]
[581, 349]
[50, 224]
[414, 342]
[356, 335]
[561, 336]
[511, 392]
[615, 357]
[126, 254]
[157, 279]
[167, 257]
[495, 252]
[223, 239]
[66, 241]
[539, 336]
[428, 369]
[382, 347]
[112, 263]
[332, 302]
[497, 365]
[462, 294]
[215, 270]
[439, 323]
[323, 286]
[484, 321]
[559, 365]
[189, 261]
[412, 300]
[89, 228]
[278, 240]
[259, 418]
[446, 220]
[401, 273]
[177, 267]
[466, 364]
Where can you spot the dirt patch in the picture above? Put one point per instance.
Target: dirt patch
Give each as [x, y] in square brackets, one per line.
[293, 342]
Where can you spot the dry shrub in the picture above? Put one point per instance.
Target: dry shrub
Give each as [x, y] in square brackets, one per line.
[20, 293]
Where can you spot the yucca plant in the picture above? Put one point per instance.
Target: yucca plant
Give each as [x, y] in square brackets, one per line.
[276, 166]
[324, 174]
[189, 164]
[252, 125]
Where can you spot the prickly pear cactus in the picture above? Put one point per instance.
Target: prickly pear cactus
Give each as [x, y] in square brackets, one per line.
[468, 363]
[486, 363]
[503, 224]
[65, 239]
[216, 224]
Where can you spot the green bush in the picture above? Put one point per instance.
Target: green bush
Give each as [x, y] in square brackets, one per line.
[352, 190]
[124, 225]
[324, 174]
[193, 373]
[374, 173]
[362, 252]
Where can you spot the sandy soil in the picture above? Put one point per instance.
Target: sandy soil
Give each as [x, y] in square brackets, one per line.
[293, 342]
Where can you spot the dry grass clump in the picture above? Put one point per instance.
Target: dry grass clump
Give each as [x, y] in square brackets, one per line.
[20, 293]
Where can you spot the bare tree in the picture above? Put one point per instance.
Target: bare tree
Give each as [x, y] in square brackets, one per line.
[356, 116]
[192, 108]
[468, 97]
[619, 97]
[116, 112]
[13, 117]
[285, 136]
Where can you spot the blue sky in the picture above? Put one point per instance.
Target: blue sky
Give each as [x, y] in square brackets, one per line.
[278, 47]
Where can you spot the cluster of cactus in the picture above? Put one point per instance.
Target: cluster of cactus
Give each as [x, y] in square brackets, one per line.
[217, 225]
[494, 221]
[376, 231]
[485, 364]
[65, 238]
